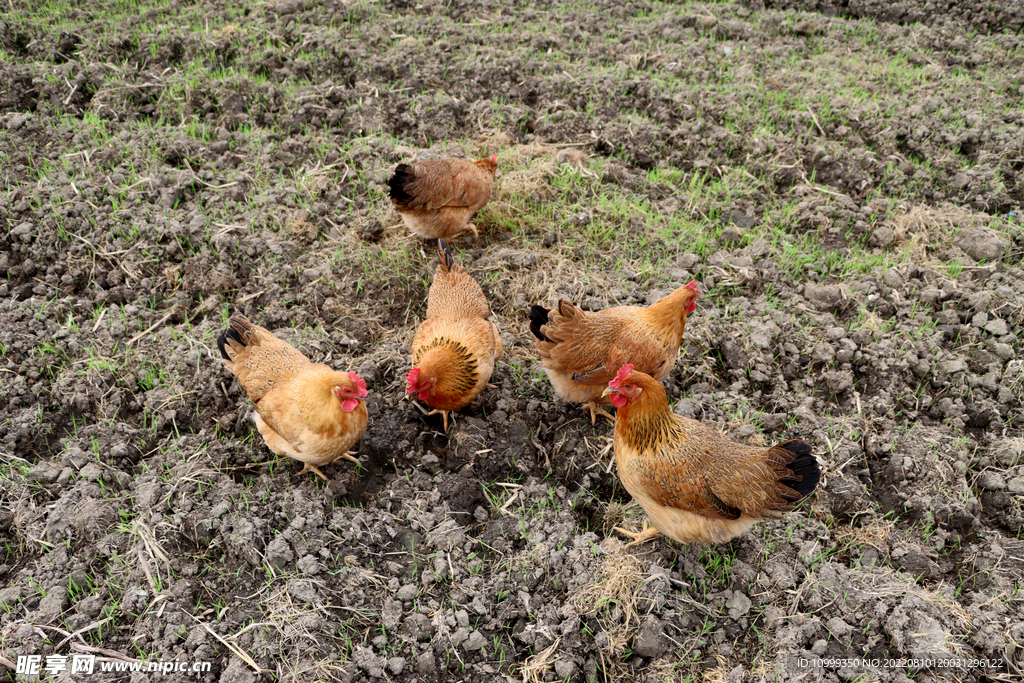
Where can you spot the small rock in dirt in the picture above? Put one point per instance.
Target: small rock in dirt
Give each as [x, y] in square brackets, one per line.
[565, 668]
[367, 660]
[740, 220]
[825, 353]
[738, 605]
[92, 472]
[992, 481]
[279, 553]
[51, 605]
[396, 665]
[883, 237]
[1015, 485]
[733, 354]
[997, 327]
[426, 665]
[730, 235]
[1004, 351]
[407, 592]
[762, 335]
[417, 626]
[43, 471]
[474, 642]
[823, 297]
[22, 230]
[953, 366]
[147, 495]
[982, 243]
[308, 566]
[650, 640]
[91, 606]
[869, 558]
[237, 671]
[303, 590]
[837, 627]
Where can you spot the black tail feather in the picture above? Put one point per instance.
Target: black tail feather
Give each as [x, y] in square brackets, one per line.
[222, 342]
[398, 183]
[445, 255]
[538, 317]
[806, 472]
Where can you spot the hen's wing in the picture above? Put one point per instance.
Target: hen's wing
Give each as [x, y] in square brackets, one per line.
[705, 474]
[438, 184]
[454, 293]
[257, 358]
[593, 346]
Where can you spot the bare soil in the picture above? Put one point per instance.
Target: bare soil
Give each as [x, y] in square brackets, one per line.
[859, 248]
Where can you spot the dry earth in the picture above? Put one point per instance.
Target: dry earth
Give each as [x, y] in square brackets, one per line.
[844, 178]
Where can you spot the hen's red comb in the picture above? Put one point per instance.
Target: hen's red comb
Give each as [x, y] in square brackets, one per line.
[411, 380]
[692, 286]
[621, 376]
[494, 158]
[360, 384]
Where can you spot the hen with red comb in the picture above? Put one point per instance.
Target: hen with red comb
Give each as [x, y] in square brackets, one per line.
[581, 351]
[694, 485]
[456, 346]
[307, 411]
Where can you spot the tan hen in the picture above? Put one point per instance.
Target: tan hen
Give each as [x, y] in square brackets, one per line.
[304, 410]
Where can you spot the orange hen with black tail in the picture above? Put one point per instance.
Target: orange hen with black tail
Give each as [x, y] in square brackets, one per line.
[456, 346]
[437, 198]
[694, 485]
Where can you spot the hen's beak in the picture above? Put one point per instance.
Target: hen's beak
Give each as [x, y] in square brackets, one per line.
[607, 392]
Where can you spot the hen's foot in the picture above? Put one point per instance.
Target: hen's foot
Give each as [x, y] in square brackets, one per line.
[648, 533]
[595, 410]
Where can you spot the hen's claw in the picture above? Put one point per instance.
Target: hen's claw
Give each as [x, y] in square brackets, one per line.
[596, 410]
[646, 534]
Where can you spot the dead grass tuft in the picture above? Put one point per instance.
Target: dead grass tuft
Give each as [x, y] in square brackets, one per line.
[524, 169]
[616, 590]
[876, 534]
[534, 668]
[922, 227]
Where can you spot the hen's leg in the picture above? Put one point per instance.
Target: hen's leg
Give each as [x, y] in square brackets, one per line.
[595, 410]
[646, 534]
[313, 468]
[444, 416]
[470, 228]
[350, 455]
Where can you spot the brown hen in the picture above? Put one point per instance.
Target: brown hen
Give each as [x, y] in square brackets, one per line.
[304, 410]
[438, 197]
[581, 351]
[455, 347]
[694, 485]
